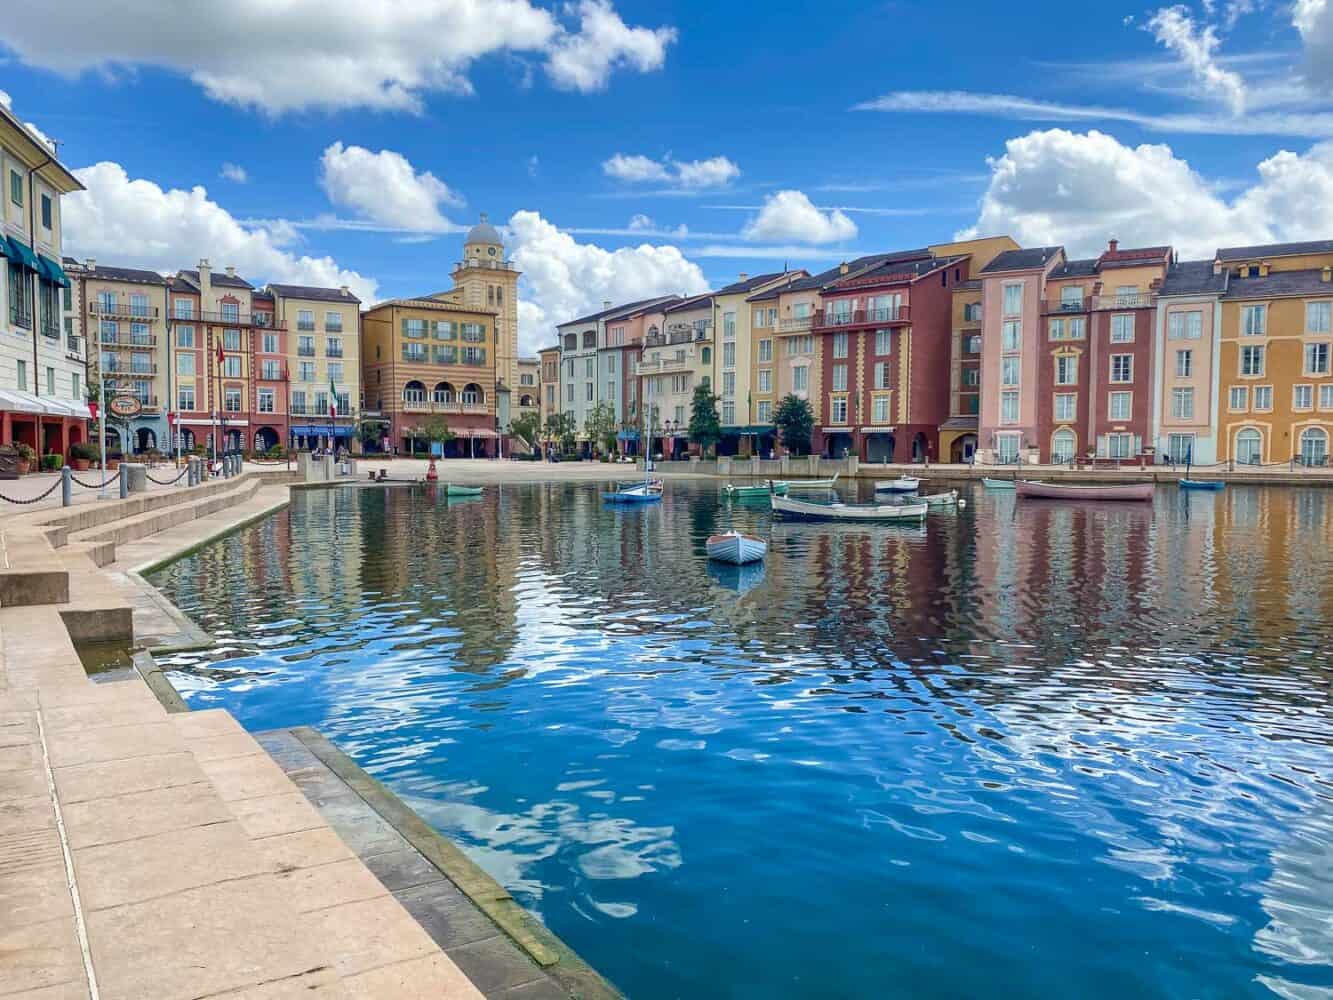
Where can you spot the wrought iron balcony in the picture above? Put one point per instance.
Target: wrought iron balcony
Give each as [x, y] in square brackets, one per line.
[305, 352]
[800, 324]
[265, 320]
[827, 320]
[122, 309]
[20, 315]
[1124, 300]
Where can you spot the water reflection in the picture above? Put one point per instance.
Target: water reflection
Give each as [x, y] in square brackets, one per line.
[1070, 749]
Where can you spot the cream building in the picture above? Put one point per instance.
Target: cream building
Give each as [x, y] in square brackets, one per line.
[322, 357]
[484, 279]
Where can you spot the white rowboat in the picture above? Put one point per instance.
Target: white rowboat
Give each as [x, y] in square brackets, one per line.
[903, 484]
[940, 499]
[735, 548]
[793, 485]
[803, 510]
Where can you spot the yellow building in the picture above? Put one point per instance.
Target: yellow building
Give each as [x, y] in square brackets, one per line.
[1276, 374]
[485, 280]
[321, 353]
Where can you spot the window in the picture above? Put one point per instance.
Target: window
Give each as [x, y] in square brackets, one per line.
[231, 400]
[840, 345]
[589, 369]
[728, 355]
[1008, 446]
[76, 390]
[589, 388]
[765, 380]
[1009, 407]
[1010, 337]
[1122, 329]
[1066, 369]
[335, 371]
[1316, 359]
[1071, 297]
[729, 412]
[879, 410]
[1184, 364]
[1317, 317]
[265, 401]
[610, 366]
[1057, 329]
[1314, 446]
[881, 375]
[1302, 397]
[1326, 397]
[138, 304]
[765, 351]
[1013, 300]
[1009, 371]
[569, 392]
[728, 383]
[1249, 447]
[46, 211]
[444, 329]
[883, 342]
[972, 312]
[185, 364]
[801, 345]
[1077, 327]
[1120, 445]
[298, 401]
[185, 397]
[22, 375]
[1263, 397]
[1120, 405]
[272, 370]
[1185, 325]
[1182, 404]
[1122, 368]
[475, 333]
[972, 344]
[305, 370]
[971, 377]
[184, 336]
[333, 322]
[839, 378]
[611, 390]
[269, 345]
[333, 347]
[16, 188]
[728, 327]
[231, 367]
[764, 411]
[305, 320]
[1062, 447]
[414, 328]
[231, 340]
[1066, 407]
[1127, 295]
[1180, 447]
[1254, 321]
[800, 378]
[838, 410]
[50, 381]
[1252, 360]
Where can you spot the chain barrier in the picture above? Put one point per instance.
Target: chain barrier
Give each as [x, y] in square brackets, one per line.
[95, 486]
[54, 486]
[167, 482]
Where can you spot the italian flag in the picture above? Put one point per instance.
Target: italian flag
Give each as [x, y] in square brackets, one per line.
[333, 400]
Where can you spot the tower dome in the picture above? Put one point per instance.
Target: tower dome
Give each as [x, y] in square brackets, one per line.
[483, 232]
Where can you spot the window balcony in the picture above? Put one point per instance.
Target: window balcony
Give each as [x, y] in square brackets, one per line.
[73, 344]
[829, 320]
[50, 328]
[121, 309]
[20, 315]
[128, 340]
[1080, 305]
[333, 352]
[1137, 300]
[305, 326]
[265, 320]
[305, 352]
[801, 324]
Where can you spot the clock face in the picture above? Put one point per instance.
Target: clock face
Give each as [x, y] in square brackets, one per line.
[491, 251]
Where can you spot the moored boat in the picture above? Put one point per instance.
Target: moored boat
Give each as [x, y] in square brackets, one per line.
[997, 484]
[949, 499]
[753, 492]
[795, 485]
[459, 490]
[736, 548]
[1202, 484]
[639, 493]
[1076, 491]
[903, 484]
[804, 510]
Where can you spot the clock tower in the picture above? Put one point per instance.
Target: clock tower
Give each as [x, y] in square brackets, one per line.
[486, 280]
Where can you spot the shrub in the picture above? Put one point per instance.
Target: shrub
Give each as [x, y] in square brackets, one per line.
[51, 463]
[86, 452]
[26, 452]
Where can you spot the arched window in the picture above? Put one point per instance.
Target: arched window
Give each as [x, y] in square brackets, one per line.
[1314, 446]
[414, 392]
[1249, 446]
[444, 393]
[1063, 444]
[472, 393]
[526, 400]
[708, 355]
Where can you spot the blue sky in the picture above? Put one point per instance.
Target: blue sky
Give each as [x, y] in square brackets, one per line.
[806, 133]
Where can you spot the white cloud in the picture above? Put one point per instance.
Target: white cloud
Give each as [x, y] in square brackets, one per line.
[384, 56]
[5, 100]
[1314, 20]
[1197, 47]
[135, 223]
[638, 222]
[384, 188]
[563, 278]
[1312, 124]
[1080, 189]
[790, 215]
[584, 61]
[687, 175]
[233, 172]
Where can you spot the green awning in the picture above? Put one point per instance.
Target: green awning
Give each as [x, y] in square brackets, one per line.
[20, 253]
[52, 271]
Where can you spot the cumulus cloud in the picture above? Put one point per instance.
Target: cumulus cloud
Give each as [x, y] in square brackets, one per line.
[583, 61]
[1197, 48]
[135, 223]
[384, 188]
[1079, 189]
[1314, 20]
[640, 221]
[693, 175]
[790, 215]
[563, 278]
[233, 172]
[380, 56]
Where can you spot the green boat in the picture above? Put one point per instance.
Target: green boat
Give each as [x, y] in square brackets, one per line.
[455, 490]
[754, 492]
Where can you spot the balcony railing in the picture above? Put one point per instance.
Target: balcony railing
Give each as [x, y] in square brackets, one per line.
[829, 319]
[333, 329]
[51, 328]
[128, 340]
[20, 315]
[303, 410]
[800, 324]
[333, 352]
[305, 325]
[451, 406]
[305, 352]
[490, 263]
[73, 344]
[265, 320]
[684, 335]
[1066, 306]
[118, 369]
[121, 309]
[1139, 300]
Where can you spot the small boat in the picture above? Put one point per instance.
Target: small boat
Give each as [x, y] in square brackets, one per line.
[736, 548]
[458, 490]
[751, 492]
[804, 510]
[1202, 484]
[903, 484]
[949, 499]
[997, 484]
[1074, 491]
[638, 493]
[795, 485]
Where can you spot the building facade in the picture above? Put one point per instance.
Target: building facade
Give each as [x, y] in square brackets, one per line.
[733, 360]
[1186, 344]
[307, 389]
[677, 356]
[485, 280]
[548, 387]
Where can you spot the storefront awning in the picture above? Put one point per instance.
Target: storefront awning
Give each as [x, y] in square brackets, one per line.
[318, 430]
[20, 253]
[630, 435]
[15, 400]
[750, 429]
[52, 271]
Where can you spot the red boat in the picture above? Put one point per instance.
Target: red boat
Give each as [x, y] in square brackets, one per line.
[1074, 491]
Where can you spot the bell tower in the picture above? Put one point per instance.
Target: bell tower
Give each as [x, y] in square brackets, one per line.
[486, 280]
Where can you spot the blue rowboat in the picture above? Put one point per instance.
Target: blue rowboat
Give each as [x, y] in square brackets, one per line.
[634, 494]
[1202, 484]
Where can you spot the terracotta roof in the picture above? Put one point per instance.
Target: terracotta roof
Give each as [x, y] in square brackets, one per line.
[313, 293]
[1135, 254]
[1193, 277]
[1309, 282]
[1021, 260]
[1275, 250]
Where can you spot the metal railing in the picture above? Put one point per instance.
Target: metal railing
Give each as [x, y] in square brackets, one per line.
[305, 352]
[1138, 300]
[20, 315]
[127, 340]
[828, 319]
[1079, 305]
[238, 319]
[333, 352]
[452, 406]
[801, 324]
[122, 308]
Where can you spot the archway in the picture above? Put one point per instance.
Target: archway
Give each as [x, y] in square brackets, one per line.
[233, 440]
[414, 392]
[1249, 446]
[920, 447]
[838, 444]
[187, 439]
[443, 393]
[526, 401]
[962, 450]
[266, 439]
[1063, 447]
[473, 395]
[1314, 446]
[145, 439]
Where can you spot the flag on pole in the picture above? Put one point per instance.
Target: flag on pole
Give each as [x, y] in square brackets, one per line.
[333, 399]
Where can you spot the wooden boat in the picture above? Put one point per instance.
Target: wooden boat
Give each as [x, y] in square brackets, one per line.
[804, 510]
[638, 493]
[997, 484]
[459, 490]
[794, 485]
[736, 548]
[903, 484]
[1202, 484]
[949, 499]
[753, 492]
[1075, 491]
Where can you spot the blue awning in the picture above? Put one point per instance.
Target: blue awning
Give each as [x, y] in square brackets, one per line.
[318, 430]
[627, 435]
[21, 253]
[52, 271]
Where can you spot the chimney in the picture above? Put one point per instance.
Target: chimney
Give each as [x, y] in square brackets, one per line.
[1217, 267]
[231, 271]
[744, 276]
[91, 264]
[345, 290]
[1326, 275]
[205, 282]
[606, 303]
[843, 268]
[1112, 245]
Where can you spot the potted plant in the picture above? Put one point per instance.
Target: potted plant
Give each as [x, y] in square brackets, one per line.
[82, 456]
[52, 462]
[113, 460]
[26, 457]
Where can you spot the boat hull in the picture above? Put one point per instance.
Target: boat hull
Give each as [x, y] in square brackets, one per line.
[904, 485]
[795, 485]
[870, 513]
[754, 492]
[1063, 491]
[632, 497]
[462, 491]
[736, 549]
[940, 499]
[1202, 484]
[997, 484]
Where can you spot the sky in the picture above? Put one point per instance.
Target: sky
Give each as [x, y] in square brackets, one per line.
[629, 149]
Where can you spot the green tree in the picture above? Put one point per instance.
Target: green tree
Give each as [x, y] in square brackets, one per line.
[436, 430]
[705, 425]
[526, 426]
[560, 428]
[601, 426]
[795, 423]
